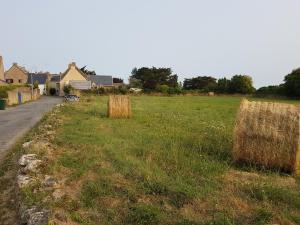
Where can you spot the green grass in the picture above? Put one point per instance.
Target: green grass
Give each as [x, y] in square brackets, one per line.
[165, 165]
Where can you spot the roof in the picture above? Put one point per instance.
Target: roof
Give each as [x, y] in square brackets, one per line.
[101, 80]
[81, 84]
[73, 65]
[41, 78]
[22, 68]
[55, 78]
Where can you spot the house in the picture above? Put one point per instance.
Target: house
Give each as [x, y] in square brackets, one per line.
[41, 78]
[72, 76]
[2, 79]
[16, 75]
[101, 80]
[78, 80]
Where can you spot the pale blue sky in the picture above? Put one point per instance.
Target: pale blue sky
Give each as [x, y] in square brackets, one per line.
[194, 37]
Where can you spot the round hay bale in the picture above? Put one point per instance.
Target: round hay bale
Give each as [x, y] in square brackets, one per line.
[268, 134]
[119, 106]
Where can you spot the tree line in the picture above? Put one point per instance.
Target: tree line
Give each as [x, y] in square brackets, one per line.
[290, 86]
[163, 80]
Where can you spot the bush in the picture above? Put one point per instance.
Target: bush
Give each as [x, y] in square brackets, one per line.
[52, 91]
[67, 89]
[175, 91]
[162, 88]
[3, 94]
[274, 90]
[123, 89]
[5, 89]
[36, 85]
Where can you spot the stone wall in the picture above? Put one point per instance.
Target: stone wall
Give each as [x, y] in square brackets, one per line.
[26, 95]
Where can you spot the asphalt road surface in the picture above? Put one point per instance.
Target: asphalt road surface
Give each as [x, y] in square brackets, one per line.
[16, 121]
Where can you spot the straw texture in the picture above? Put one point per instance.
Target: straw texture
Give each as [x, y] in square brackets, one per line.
[268, 134]
[119, 106]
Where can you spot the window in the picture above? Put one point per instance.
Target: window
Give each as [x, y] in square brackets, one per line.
[20, 81]
[9, 81]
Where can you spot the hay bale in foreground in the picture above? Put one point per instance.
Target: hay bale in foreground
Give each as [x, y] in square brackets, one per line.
[268, 134]
[119, 106]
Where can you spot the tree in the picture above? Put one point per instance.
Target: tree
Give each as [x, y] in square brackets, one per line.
[241, 84]
[201, 83]
[223, 85]
[162, 88]
[270, 90]
[87, 72]
[150, 78]
[35, 84]
[117, 80]
[292, 83]
[135, 83]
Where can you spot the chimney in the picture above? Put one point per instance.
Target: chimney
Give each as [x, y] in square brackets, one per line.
[72, 65]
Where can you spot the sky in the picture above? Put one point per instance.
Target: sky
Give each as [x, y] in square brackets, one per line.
[260, 38]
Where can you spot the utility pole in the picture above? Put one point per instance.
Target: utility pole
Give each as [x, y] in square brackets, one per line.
[31, 86]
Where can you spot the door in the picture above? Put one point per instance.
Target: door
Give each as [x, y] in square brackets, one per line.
[19, 97]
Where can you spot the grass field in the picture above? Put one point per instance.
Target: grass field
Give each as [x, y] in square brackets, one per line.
[169, 164]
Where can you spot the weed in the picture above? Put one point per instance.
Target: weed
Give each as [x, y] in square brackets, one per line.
[262, 216]
[143, 214]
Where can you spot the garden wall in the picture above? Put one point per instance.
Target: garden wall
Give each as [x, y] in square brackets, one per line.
[24, 93]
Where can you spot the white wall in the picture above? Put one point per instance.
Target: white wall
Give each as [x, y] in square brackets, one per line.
[42, 88]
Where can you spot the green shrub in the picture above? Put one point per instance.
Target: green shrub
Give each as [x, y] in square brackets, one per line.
[5, 89]
[3, 94]
[36, 84]
[174, 90]
[67, 89]
[162, 88]
[123, 89]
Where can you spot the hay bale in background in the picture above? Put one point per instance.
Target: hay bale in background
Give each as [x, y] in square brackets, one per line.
[211, 93]
[268, 134]
[119, 106]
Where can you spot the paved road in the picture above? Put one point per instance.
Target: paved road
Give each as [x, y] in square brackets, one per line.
[16, 121]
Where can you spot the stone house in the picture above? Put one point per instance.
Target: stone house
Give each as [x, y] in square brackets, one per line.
[41, 78]
[72, 76]
[16, 75]
[2, 79]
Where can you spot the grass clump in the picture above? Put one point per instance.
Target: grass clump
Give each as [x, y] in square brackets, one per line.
[262, 216]
[142, 214]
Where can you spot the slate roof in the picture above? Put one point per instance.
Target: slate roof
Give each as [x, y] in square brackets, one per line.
[41, 78]
[55, 78]
[101, 80]
[81, 84]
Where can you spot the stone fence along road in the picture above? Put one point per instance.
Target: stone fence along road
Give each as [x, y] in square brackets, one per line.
[16, 121]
